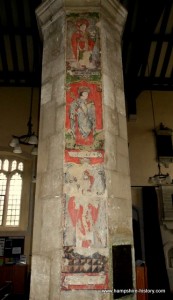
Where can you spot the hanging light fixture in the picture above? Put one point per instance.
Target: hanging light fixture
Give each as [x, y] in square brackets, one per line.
[28, 139]
[158, 178]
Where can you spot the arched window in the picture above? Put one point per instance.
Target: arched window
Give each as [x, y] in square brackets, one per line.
[11, 183]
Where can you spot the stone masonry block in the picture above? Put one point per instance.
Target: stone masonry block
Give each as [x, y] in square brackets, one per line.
[110, 152]
[118, 78]
[37, 223]
[46, 73]
[53, 68]
[56, 151]
[53, 208]
[121, 234]
[120, 102]
[123, 164]
[107, 67]
[40, 277]
[46, 11]
[122, 126]
[119, 208]
[52, 184]
[108, 92]
[47, 116]
[90, 295]
[58, 93]
[109, 62]
[46, 92]
[108, 24]
[84, 3]
[55, 19]
[43, 156]
[118, 185]
[110, 120]
[60, 117]
[58, 65]
[54, 34]
[55, 274]
[122, 147]
[116, 10]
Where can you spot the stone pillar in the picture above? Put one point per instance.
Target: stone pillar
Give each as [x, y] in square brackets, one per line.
[83, 197]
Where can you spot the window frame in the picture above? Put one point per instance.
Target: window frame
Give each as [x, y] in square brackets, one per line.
[25, 193]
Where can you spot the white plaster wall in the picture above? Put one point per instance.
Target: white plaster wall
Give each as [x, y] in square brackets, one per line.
[142, 151]
[142, 154]
[14, 115]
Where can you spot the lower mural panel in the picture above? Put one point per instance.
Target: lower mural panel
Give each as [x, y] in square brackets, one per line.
[82, 271]
[85, 282]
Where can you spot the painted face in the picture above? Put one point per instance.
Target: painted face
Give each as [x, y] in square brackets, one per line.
[84, 95]
[83, 27]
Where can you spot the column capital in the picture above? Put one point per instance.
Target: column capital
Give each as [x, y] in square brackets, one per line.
[50, 10]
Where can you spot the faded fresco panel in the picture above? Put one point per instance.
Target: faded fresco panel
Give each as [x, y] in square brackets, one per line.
[83, 47]
[84, 178]
[85, 260]
[85, 270]
[85, 222]
[84, 125]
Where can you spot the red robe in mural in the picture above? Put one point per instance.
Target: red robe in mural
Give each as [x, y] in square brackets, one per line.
[80, 43]
[83, 217]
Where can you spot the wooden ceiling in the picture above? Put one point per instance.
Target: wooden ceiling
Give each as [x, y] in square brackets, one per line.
[20, 46]
[146, 46]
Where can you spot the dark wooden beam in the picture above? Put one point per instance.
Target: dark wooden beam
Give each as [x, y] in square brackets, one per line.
[154, 37]
[22, 24]
[143, 22]
[18, 30]
[20, 79]
[10, 26]
[167, 57]
[3, 55]
[157, 83]
[37, 43]
[137, 38]
[127, 36]
[160, 41]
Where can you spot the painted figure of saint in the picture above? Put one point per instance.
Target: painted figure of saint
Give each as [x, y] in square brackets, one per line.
[84, 215]
[82, 117]
[82, 44]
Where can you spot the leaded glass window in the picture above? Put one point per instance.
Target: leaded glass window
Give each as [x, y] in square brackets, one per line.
[11, 182]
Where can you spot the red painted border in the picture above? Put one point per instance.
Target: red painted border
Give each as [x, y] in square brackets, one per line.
[77, 160]
[86, 286]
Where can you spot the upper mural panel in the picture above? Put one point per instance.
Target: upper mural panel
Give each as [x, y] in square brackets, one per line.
[83, 47]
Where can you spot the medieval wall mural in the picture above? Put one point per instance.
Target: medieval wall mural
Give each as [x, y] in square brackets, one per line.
[85, 221]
